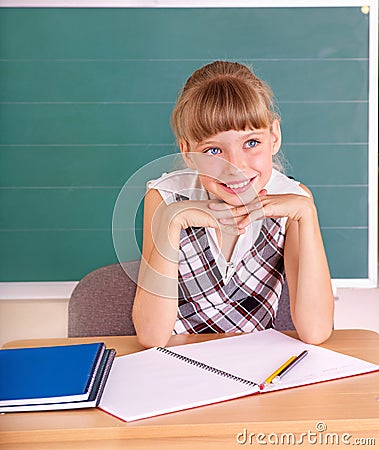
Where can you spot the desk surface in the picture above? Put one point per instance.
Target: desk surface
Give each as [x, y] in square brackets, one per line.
[349, 405]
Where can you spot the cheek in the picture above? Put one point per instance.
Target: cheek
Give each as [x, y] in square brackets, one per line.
[261, 162]
[263, 165]
[207, 182]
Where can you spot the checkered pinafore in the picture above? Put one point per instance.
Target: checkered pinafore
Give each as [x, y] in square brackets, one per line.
[248, 301]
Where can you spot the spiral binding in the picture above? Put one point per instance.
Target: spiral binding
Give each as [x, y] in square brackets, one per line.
[203, 366]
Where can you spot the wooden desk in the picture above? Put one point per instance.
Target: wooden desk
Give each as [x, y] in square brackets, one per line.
[346, 406]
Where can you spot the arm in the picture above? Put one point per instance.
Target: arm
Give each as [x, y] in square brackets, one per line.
[311, 295]
[155, 304]
[156, 300]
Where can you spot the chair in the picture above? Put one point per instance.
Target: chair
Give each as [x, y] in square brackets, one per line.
[101, 303]
[283, 319]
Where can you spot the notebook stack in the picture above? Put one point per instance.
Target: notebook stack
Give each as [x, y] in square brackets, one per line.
[48, 378]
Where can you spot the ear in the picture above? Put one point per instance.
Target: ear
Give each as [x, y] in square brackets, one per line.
[276, 136]
[186, 155]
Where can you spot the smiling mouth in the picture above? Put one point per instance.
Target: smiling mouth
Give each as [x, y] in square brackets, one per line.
[240, 185]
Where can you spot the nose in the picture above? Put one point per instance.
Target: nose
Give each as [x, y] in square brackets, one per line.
[234, 164]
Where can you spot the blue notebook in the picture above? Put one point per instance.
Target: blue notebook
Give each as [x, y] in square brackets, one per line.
[48, 374]
[93, 400]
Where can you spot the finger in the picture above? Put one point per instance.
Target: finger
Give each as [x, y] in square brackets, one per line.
[255, 215]
[236, 210]
[227, 220]
[259, 214]
[247, 210]
[220, 206]
[226, 211]
[244, 220]
[234, 230]
[263, 192]
[230, 215]
[243, 224]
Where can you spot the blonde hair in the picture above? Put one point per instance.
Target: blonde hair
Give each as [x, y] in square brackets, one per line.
[222, 96]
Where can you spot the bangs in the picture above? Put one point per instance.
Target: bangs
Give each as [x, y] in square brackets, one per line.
[222, 104]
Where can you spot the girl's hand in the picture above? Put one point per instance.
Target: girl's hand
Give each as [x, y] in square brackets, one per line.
[293, 206]
[166, 221]
[198, 213]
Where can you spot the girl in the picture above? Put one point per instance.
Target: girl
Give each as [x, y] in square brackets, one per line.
[222, 236]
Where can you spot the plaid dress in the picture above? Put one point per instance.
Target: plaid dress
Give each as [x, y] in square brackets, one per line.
[209, 301]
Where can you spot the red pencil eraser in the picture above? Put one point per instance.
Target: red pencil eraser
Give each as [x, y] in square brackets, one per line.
[261, 386]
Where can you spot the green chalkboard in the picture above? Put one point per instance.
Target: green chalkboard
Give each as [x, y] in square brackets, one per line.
[85, 100]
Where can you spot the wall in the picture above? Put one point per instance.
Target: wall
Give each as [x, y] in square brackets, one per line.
[27, 319]
[48, 319]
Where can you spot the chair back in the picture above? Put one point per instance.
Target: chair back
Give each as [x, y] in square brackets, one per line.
[101, 303]
[283, 320]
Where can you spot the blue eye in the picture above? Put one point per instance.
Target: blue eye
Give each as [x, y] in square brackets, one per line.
[252, 143]
[213, 151]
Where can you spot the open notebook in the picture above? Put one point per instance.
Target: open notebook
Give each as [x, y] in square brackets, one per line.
[159, 380]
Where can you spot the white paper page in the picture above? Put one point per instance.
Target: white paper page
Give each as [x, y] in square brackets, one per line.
[150, 383]
[257, 355]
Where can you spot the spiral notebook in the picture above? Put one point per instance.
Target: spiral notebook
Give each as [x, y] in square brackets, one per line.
[163, 380]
